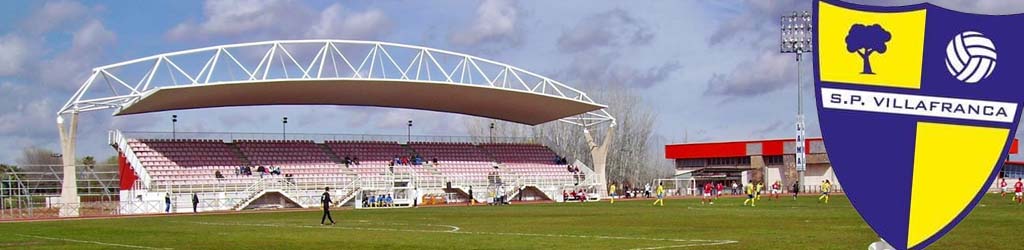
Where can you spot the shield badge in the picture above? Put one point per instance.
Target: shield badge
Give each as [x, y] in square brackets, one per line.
[917, 105]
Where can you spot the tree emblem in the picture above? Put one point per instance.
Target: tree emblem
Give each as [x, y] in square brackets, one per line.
[866, 40]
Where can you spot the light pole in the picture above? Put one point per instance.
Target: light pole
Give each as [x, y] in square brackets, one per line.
[284, 128]
[174, 126]
[408, 133]
[796, 38]
[492, 132]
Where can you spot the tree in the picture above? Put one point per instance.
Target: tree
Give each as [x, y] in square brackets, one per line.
[89, 161]
[866, 40]
[33, 156]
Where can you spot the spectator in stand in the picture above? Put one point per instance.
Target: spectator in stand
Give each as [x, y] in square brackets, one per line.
[262, 170]
[405, 160]
[347, 161]
[435, 161]
[565, 195]
[275, 170]
[390, 202]
[288, 178]
[238, 171]
[373, 201]
[396, 161]
[216, 174]
[568, 168]
[355, 160]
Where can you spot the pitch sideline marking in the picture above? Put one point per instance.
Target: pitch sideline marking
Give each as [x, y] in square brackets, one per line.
[90, 242]
[455, 230]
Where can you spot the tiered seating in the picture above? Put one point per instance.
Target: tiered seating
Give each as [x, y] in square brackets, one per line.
[529, 159]
[367, 151]
[374, 157]
[464, 160]
[193, 162]
[186, 162]
[184, 153]
[451, 152]
[520, 153]
[283, 153]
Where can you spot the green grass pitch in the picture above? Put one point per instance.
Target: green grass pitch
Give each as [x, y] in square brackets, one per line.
[680, 224]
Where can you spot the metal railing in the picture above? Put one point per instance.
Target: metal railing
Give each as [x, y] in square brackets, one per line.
[115, 137]
[316, 137]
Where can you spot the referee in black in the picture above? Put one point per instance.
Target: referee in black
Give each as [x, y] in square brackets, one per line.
[325, 199]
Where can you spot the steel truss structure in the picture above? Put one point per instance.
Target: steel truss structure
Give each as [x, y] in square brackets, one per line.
[119, 85]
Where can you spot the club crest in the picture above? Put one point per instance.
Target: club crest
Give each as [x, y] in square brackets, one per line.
[915, 114]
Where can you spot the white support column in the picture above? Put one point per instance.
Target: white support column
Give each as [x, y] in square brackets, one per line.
[69, 186]
[599, 153]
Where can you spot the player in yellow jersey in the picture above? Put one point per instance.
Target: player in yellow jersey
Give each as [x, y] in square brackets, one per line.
[750, 194]
[760, 187]
[611, 193]
[660, 192]
[826, 186]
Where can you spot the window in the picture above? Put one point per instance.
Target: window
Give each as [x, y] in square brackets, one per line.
[1013, 171]
[691, 163]
[729, 161]
[773, 160]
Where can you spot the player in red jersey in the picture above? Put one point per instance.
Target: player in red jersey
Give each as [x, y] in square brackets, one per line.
[720, 188]
[1018, 191]
[707, 193]
[776, 189]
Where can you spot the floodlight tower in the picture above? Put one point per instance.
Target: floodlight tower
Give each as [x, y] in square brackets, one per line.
[796, 38]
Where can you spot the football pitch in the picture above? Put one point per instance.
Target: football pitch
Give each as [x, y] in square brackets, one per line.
[680, 224]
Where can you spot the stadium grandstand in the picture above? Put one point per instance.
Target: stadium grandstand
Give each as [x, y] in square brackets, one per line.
[769, 161]
[236, 171]
[259, 173]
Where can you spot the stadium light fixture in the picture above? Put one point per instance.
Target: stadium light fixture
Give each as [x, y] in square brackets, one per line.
[492, 132]
[408, 133]
[174, 126]
[797, 37]
[284, 128]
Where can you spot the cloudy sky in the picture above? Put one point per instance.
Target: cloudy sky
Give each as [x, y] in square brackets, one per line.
[710, 69]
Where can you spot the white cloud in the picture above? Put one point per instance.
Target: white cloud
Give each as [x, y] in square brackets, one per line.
[14, 54]
[245, 18]
[496, 22]
[92, 35]
[69, 68]
[54, 14]
[333, 23]
[280, 19]
[611, 28]
[768, 71]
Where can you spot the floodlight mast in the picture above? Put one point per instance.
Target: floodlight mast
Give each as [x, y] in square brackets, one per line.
[796, 37]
